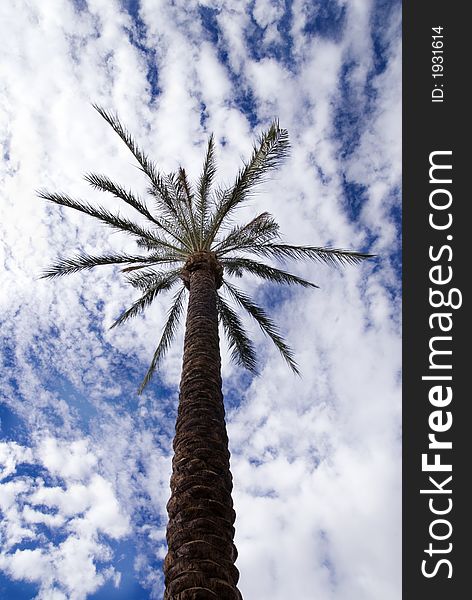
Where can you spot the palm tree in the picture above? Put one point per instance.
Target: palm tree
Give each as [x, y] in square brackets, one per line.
[190, 244]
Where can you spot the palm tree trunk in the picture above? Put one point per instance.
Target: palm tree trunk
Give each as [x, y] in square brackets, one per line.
[201, 553]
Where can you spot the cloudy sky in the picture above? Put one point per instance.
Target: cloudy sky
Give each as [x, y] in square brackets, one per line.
[84, 461]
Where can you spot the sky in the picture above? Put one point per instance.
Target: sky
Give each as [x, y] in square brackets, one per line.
[84, 461]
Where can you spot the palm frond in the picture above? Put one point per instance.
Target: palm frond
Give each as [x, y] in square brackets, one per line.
[153, 246]
[168, 334]
[166, 202]
[114, 221]
[261, 229]
[181, 207]
[169, 206]
[242, 349]
[271, 150]
[265, 323]
[147, 278]
[105, 184]
[84, 261]
[237, 266]
[153, 260]
[158, 187]
[187, 195]
[185, 186]
[146, 165]
[162, 282]
[204, 185]
[161, 255]
[328, 256]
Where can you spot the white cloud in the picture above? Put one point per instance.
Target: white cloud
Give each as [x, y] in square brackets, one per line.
[73, 461]
[83, 509]
[11, 454]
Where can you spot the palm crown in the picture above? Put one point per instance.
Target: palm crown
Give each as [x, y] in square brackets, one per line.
[194, 222]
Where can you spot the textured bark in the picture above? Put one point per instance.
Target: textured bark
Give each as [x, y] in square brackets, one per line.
[200, 561]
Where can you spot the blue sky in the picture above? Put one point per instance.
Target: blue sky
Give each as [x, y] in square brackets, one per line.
[84, 461]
